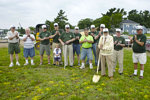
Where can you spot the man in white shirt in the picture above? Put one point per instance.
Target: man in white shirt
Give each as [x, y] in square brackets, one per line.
[106, 46]
[28, 46]
[13, 45]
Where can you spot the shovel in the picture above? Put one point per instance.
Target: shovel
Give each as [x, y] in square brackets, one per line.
[97, 77]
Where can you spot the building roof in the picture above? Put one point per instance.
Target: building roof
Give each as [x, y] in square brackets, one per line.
[129, 21]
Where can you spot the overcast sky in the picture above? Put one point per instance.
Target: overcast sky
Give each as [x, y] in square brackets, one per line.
[32, 12]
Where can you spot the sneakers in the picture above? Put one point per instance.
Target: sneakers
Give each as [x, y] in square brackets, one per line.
[17, 63]
[26, 64]
[11, 65]
[82, 67]
[91, 66]
[32, 64]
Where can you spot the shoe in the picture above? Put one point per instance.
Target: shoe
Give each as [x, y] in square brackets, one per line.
[54, 64]
[26, 64]
[82, 67]
[41, 63]
[91, 66]
[141, 77]
[32, 64]
[17, 63]
[121, 73]
[132, 75]
[111, 77]
[11, 65]
[71, 66]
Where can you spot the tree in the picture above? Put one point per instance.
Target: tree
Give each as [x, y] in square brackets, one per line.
[50, 24]
[61, 19]
[85, 23]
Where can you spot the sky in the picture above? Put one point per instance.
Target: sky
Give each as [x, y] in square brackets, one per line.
[32, 12]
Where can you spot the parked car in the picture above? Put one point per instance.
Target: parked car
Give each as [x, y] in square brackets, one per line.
[148, 45]
[127, 41]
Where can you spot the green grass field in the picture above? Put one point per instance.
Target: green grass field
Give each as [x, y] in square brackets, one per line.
[48, 82]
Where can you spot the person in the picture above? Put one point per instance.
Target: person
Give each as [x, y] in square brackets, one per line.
[76, 45]
[106, 51]
[100, 33]
[28, 46]
[93, 33]
[55, 35]
[119, 43]
[57, 53]
[44, 44]
[86, 41]
[66, 39]
[13, 45]
[139, 50]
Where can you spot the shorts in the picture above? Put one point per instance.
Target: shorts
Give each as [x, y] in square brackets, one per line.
[86, 52]
[44, 48]
[29, 52]
[76, 49]
[57, 58]
[13, 47]
[139, 57]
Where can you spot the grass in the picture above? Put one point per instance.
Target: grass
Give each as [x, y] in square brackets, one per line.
[48, 82]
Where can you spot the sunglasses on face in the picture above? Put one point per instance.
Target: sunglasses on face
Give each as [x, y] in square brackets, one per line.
[55, 26]
[67, 28]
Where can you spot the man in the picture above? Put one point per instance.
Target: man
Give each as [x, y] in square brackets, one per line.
[106, 51]
[100, 33]
[55, 35]
[93, 33]
[139, 50]
[76, 45]
[44, 44]
[86, 41]
[28, 46]
[13, 45]
[66, 39]
[119, 43]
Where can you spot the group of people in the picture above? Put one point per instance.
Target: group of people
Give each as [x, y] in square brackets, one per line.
[106, 48]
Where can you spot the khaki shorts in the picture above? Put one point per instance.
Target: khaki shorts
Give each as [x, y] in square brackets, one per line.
[139, 57]
[13, 47]
[44, 48]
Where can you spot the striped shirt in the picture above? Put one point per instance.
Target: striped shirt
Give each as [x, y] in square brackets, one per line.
[28, 43]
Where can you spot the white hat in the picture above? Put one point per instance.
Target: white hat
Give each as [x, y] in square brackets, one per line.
[102, 25]
[55, 24]
[67, 26]
[44, 26]
[11, 26]
[92, 26]
[139, 27]
[76, 28]
[105, 30]
[118, 30]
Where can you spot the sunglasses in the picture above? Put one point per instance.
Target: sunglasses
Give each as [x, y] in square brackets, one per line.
[67, 28]
[55, 26]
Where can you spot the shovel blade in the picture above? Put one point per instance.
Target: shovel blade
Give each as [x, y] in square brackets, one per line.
[96, 78]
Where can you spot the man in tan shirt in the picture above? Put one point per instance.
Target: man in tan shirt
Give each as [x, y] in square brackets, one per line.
[106, 51]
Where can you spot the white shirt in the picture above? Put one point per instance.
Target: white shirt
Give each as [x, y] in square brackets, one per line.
[28, 43]
[12, 34]
[57, 52]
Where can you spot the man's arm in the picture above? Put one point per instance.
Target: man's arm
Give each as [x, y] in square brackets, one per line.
[62, 43]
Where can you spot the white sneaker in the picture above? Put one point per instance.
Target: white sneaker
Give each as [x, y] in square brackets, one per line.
[82, 67]
[32, 64]
[17, 63]
[26, 64]
[11, 65]
[91, 66]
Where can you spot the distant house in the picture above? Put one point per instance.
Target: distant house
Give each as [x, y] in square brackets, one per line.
[130, 26]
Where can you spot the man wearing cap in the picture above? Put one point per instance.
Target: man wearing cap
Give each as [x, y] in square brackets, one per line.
[76, 45]
[93, 33]
[119, 43]
[139, 50]
[44, 44]
[55, 35]
[100, 33]
[86, 40]
[13, 45]
[106, 46]
[66, 39]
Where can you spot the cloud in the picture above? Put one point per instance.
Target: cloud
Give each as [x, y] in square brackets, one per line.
[32, 12]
